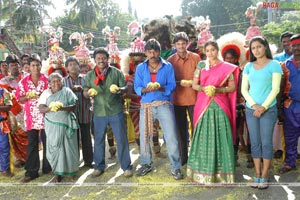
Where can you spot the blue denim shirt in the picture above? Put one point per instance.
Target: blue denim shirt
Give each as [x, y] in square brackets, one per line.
[165, 77]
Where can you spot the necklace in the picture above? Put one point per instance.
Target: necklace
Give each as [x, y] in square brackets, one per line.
[214, 63]
[154, 68]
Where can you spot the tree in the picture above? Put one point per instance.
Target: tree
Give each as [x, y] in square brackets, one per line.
[135, 14]
[226, 15]
[129, 7]
[290, 21]
[25, 17]
[109, 13]
[85, 11]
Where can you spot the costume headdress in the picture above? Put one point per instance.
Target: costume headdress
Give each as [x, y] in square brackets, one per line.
[251, 13]
[135, 54]
[56, 54]
[203, 26]
[112, 47]
[82, 52]
[134, 29]
[234, 41]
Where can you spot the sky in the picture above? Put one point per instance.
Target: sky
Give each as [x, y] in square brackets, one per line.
[145, 8]
[152, 8]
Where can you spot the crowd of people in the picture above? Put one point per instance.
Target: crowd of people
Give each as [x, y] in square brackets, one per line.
[197, 104]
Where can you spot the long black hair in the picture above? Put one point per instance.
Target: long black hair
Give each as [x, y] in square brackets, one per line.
[264, 42]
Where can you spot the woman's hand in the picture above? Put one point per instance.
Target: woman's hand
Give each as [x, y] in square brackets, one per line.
[258, 110]
[210, 90]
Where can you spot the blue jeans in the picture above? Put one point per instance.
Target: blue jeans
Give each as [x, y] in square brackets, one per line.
[164, 114]
[261, 132]
[117, 124]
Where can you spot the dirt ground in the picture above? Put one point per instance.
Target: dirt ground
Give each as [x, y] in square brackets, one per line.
[158, 184]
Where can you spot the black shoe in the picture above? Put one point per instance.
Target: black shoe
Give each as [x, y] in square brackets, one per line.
[177, 175]
[145, 169]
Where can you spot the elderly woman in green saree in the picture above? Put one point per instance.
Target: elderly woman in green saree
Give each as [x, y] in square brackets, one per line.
[57, 102]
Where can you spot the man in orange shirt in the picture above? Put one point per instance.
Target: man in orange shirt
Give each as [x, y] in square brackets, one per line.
[184, 97]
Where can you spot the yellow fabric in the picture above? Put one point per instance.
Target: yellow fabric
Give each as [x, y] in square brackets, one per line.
[130, 129]
[276, 78]
[129, 123]
[245, 91]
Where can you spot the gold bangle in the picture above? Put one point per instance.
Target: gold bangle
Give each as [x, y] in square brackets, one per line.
[199, 88]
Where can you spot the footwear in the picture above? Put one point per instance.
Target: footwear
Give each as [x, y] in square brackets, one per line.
[145, 169]
[27, 179]
[97, 173]
[6, 174]
[177, 175]
[128, 173]
[57, 179]
[278, 154]
[263, 183]
[285, 169]
[255, 183]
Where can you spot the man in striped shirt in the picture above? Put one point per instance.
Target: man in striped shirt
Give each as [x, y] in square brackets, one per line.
[76, 81]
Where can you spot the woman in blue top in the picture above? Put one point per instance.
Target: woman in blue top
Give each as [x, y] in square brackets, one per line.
[260, 85]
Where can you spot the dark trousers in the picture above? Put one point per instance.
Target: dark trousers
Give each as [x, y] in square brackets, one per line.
[182, 125]
[86, 142]
[32, 164]
[291, 127]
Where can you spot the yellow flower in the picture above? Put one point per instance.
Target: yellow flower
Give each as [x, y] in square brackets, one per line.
[92, 92]
[113, 88]
[154, 85]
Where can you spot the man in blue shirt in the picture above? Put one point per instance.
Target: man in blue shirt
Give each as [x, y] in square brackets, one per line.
[154, 82]
[291, 105]
[287, 51]
[282, 57]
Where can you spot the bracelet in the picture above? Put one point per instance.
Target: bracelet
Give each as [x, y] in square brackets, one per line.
[199, 88]
[223, 90]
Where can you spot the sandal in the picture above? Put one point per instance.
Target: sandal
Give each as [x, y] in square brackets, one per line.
[263, 183]
[255, 183]
[57, 179]
[285, 169]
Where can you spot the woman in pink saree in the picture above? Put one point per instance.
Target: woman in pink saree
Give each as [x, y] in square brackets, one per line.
[211, 157]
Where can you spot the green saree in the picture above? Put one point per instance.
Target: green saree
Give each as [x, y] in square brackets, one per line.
[61, 131]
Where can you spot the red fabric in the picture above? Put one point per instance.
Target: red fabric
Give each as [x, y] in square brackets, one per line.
[99, 76]
[153, 77]
[296, 41]
[16, 108]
